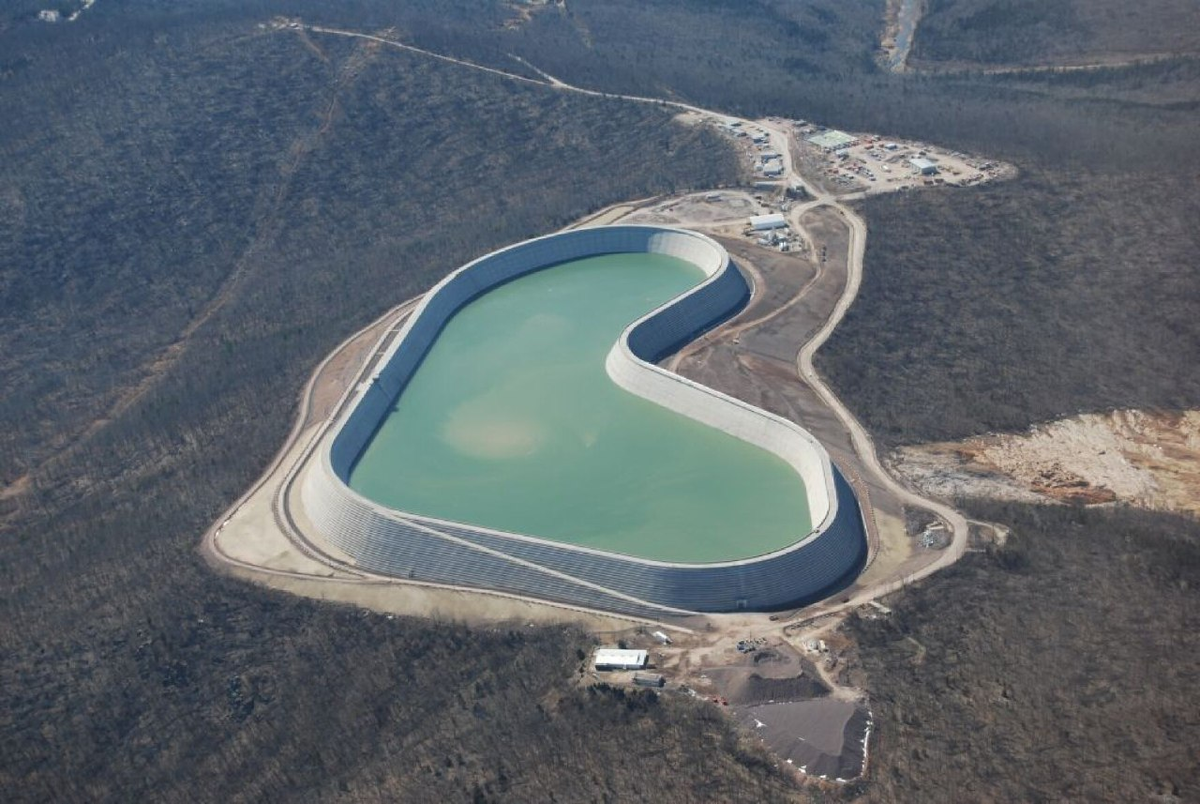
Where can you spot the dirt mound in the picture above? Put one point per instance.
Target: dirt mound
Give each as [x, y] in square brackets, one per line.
[768, 656]
[756, 689]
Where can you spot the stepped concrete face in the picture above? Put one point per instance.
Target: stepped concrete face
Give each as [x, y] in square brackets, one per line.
[405, 545]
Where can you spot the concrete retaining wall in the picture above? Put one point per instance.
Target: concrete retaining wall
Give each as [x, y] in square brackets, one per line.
[405, 545]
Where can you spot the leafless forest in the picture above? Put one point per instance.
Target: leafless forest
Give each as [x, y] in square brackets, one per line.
[194, 209]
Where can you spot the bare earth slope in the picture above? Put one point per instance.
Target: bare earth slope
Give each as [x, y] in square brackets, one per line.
[1150, 460]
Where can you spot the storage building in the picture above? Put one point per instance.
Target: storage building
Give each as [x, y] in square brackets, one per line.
[923, 166]
[833, 140]
[763, 223]
[615, 659]
[649, 680]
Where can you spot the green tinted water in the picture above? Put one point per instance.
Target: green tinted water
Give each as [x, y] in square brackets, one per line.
[512, 423]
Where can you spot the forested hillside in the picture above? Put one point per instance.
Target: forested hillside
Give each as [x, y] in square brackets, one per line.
[1031, 300]
[195, 208]
[1031, 32]
[195, 211]
[1055, 668]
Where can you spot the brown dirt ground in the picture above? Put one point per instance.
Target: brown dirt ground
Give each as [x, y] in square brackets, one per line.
[1147, 459]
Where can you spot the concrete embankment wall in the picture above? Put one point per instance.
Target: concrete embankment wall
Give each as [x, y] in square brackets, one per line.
[405, 545]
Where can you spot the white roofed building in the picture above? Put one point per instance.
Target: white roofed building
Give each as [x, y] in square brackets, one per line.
[617, 659]
[833, 140]
[763, 223]
[923, 166]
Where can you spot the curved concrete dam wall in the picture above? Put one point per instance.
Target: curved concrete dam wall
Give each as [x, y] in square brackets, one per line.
[405, 545]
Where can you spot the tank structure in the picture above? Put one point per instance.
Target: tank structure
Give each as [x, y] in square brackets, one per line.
[404, 545]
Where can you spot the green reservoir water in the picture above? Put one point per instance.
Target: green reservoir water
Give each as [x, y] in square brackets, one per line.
[512, 423]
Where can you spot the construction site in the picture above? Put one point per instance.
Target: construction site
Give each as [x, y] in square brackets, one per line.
[783, 674]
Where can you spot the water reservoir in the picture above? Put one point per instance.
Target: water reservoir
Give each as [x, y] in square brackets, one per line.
[512, 423]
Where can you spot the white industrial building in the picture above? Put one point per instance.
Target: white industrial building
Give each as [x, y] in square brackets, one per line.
[764, 223]
[833, 140]
[616, 659]
[923, 166]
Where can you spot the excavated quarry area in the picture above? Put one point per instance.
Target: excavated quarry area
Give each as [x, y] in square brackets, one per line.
[1147, 459]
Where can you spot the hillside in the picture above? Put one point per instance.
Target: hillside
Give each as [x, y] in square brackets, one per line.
[1054, 668]
[1027, 32]
[195, 208]
[196, 211]
[1026, 301]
